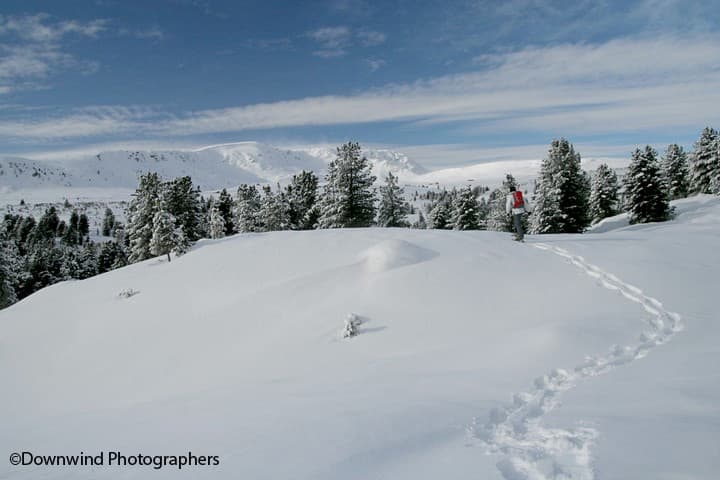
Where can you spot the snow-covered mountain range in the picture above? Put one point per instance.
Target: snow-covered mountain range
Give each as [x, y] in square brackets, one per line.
[213, 167]
[112, 175]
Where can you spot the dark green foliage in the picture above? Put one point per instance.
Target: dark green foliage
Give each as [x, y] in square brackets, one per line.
[111, 256]
[705, 164]
[563, 192]
[439, 212]
[140, 216]
[225, 206]
[675, 172]
[247, 209]
[465, 210]
[108, 223]
[604, 194]
[645, 189]
[348, 198]
[183, 202]
[301, 195]
[393, 209]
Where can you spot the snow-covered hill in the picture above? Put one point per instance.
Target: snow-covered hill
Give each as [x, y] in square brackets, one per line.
[212, 168]
[234, 350]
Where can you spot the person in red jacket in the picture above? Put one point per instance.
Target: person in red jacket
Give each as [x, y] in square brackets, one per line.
[516, 205]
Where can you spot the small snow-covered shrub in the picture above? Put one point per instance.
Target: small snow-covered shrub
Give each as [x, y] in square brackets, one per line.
[127, 293]
[352, 322]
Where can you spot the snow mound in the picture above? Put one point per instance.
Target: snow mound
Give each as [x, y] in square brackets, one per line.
[394, 253]
[699, 209]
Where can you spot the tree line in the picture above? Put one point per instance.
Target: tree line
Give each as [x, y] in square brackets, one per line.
[166, 217]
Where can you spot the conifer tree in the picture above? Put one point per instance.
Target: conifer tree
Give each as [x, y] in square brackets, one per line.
[675, 172]
[247, 209]
[87, 261]
[705, 162]
[498, 219]
[645, 189]
[9, 269]
[301, 197]
[83, 227]
[420, 223]
[348, 198]
[562, 197]
[71, 236]
[108, 224]
[225, 206]
[439, 214]
[183, 202]
[393, 209]
[141, 213]
[465, 210]
[604, 194]
[217, 221]
[165, 232]
[273, 213]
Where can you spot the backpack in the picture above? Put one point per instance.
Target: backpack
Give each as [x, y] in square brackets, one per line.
[518, 201]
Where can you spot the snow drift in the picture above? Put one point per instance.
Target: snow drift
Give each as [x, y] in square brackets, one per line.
[233, 350]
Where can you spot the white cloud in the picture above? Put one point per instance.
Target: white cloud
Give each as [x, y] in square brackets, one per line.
[40, 28]
[618, 86]
[375, 63]
[335, 41]
[32, 49]
[369, 38]
[332, 41]
[150, 33]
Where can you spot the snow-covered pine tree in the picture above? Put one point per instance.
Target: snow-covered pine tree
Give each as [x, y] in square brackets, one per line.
[705, 162]
[183, 202]
[498, 219]
[675, 170]
[465, 210]
[393, 208]
[141, 213]
[71, 235]
[645, 189]
[348, 198]
[83, 227]
[167, 237]
[273, 213]
[225, 205]
[108, 224]
[420, 223]
[9, 269]
[563, 192]
[247, 209]
[439, 212]
[301, 197]
[604, 194]
[217, 221]
[87, 261]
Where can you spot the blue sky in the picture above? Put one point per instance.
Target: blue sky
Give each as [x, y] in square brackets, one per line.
[451, 82]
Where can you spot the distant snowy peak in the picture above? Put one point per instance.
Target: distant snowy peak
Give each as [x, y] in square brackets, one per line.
[268, 163]
[382, 161]
[16, 172]
[212, 167]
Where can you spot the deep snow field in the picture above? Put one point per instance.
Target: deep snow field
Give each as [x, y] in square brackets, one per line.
[234, 350]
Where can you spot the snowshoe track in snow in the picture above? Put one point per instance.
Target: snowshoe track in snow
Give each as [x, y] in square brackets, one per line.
[532, 451]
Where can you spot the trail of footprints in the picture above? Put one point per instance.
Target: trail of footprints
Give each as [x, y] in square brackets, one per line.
[532, 451]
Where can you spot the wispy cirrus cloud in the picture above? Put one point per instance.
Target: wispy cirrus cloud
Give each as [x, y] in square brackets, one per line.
[33, 47]
[622, 85]
[333, 41]
[336, 41]
[41, 28]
